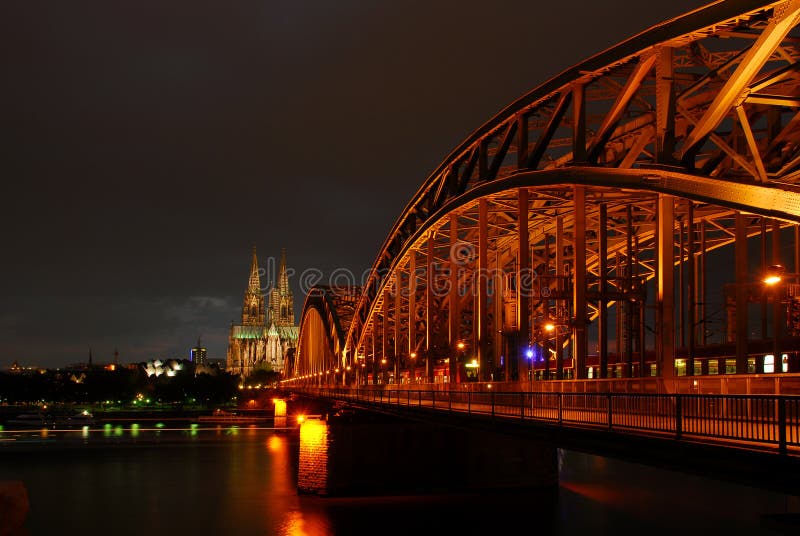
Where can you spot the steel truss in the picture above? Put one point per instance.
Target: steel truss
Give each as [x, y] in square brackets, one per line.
[581, 220]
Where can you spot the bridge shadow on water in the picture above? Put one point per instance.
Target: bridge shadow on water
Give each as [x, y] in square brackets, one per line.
[391, 476]
[356, 474]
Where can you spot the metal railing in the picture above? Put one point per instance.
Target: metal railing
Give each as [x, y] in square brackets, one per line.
[771, 421]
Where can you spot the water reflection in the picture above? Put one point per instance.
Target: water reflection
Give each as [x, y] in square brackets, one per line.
[312, 475]
[204, 481]
[279, 419]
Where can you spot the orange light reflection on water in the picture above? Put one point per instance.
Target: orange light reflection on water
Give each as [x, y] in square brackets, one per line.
[312, 474]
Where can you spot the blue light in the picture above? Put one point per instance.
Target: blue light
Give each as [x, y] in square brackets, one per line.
[529, 353]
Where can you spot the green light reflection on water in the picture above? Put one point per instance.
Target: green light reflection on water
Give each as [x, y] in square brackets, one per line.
[135, 430]
[107, 430]
[193, 429]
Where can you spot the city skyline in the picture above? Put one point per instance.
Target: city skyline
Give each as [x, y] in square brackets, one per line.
[148, 150]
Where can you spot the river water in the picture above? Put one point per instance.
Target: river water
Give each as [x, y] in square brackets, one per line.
[240, 481]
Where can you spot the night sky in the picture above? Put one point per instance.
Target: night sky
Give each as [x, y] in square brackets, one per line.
[145, 147]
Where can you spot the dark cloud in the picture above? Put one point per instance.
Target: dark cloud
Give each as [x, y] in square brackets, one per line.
[145, 146]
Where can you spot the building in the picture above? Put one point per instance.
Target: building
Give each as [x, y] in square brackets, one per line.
[266, 334]
[198, 354]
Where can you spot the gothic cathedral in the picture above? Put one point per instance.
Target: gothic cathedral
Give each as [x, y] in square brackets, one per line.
[266, 335]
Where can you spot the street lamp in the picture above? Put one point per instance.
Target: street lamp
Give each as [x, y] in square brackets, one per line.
[774, 275]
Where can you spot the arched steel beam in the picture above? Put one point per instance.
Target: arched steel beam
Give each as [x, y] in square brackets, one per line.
[335, 309]
[641, 103]
[761, 200]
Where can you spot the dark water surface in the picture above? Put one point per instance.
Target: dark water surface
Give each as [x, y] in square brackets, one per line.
[243, 481]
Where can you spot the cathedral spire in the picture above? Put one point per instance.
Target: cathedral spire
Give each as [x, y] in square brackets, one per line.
[281, 302]
[253, 305]
[254, 286]
[283, 278]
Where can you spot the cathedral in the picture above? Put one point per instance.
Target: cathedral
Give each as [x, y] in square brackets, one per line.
[267, 333]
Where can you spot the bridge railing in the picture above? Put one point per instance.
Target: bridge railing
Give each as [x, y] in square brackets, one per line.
[770, 421]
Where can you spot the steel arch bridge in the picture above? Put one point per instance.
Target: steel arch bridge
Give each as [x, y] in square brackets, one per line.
[588, 228]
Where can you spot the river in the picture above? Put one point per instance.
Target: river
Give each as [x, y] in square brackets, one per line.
[141, 479]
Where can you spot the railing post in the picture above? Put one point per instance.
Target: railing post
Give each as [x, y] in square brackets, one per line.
[469, 402]
[678, 417]
[781, 425]
[560, 408]
[522, 406]
[433, 399]
[449, 400]
[492, 393]
[610, 416]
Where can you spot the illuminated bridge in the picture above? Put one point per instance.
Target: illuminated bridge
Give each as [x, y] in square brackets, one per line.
[631, 225]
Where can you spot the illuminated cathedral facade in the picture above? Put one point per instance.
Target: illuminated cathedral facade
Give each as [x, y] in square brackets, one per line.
[267, 334]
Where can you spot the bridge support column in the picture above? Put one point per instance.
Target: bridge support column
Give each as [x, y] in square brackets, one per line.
[412, 303]
[453, 314]
[524, 283]
[691, 331]
[429, 305]
[562, 287]
[665, 325]
[740, 261]
[579, 283]
[602, 318]
[398, 307]
[777, 312]
[482, 312]
[358, 456]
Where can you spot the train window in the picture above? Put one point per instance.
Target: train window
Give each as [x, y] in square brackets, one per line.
[713, 366]
[769, 364]
[730, 366]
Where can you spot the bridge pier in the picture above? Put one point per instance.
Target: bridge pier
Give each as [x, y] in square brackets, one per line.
[375, 455]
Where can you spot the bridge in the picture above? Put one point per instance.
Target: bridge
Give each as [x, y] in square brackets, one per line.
[624, 238]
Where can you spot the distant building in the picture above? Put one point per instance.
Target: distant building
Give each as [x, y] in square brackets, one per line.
[220, 364]
[198, 354]
[265, 334]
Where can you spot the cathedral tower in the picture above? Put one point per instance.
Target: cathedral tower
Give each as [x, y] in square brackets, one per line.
[253, 306]
[247, 340]
[281, 302]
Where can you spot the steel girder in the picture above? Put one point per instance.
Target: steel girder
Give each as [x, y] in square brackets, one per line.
[701, 110]
[325, 320]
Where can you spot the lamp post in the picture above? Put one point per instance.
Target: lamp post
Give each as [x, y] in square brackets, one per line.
[529, 355]
[459, 360]
[783, 293]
